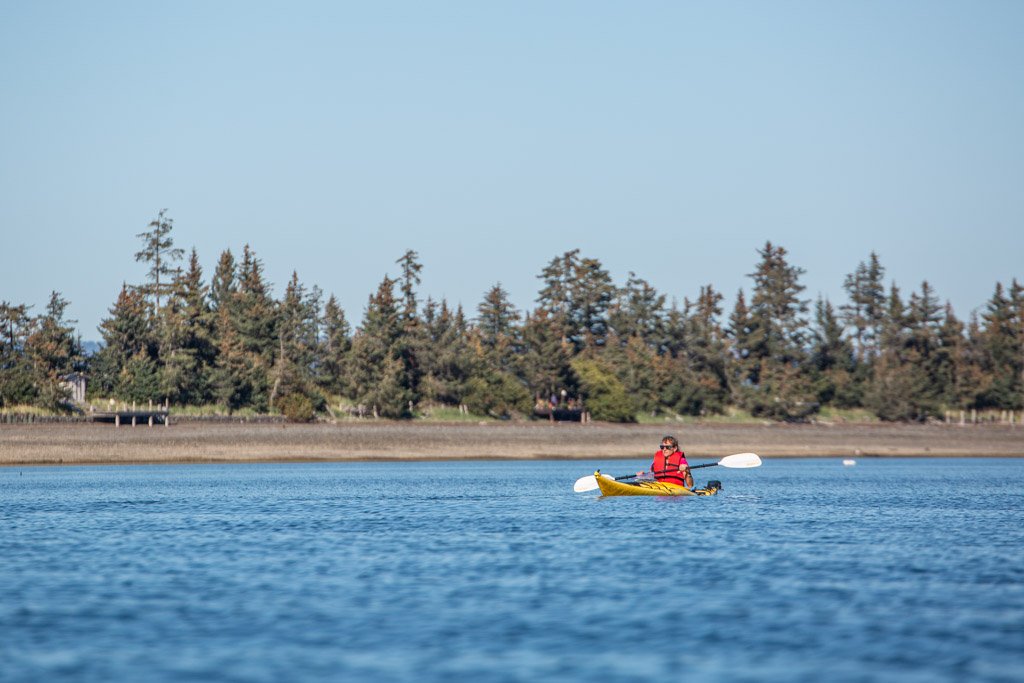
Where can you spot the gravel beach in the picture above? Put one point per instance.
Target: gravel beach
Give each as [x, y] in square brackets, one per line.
[86, 443]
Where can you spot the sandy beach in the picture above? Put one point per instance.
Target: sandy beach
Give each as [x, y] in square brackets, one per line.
[84, 443]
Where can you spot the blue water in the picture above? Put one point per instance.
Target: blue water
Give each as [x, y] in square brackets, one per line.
[801, 570]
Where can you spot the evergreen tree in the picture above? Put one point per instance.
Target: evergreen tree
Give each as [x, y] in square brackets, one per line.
[866, 308]
[16, 381]
[1004, 358]
[159, 252]
[896, 383]
[634, 365]
[378, 377]
[224, 284]
[495, 388]
[556, 297]
[448, 360]
[832, 360]
[777, 308]
[411, 345]
[249, 342]
[188, 350]
[706, 358]
[496, 328]
[52, 353]
[255, 316]
[742, 332]
[576, 296]
[546, 356]
[638, 310]
[592, 294]
[775, 337]
[129, 346]
[921, 352]
[952, 373]
[335, 347]
[298, 345]
[408, 282]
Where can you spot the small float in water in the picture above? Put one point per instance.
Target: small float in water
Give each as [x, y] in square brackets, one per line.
[849, 462]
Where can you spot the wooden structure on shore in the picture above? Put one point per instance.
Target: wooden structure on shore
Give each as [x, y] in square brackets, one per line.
[562, 414]
[133, 417]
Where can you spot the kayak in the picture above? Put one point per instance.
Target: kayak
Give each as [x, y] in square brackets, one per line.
[610, 487]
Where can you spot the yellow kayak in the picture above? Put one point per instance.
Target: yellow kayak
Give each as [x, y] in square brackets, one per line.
[610, 487]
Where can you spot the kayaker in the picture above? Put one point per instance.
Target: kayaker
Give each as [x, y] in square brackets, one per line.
[670, 464]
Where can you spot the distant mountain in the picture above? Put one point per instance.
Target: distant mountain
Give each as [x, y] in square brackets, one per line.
[91, 348]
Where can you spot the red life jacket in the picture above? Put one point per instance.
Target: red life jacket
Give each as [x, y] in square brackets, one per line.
[670, 469]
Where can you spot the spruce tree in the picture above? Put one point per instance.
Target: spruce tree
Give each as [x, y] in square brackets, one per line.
[412, 342]
[866, 308]
[706, 356]
[159, 252]
[546, 357]
[52, 352]
[496, 328]
[378, 377]
[224, 284]
[896, 384]
[16, 380]
[188, 350]
[334, 350]
[298, 331]
[924, 321]
[495, 387]
[832, 360]
[775, 338]
[741, 333]
[1004, 358]
[638, 310]
[556, 296]
[129, 347]
[592, 292]
[448, 361]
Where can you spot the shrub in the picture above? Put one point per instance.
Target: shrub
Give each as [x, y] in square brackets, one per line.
[603, 394]
[296, 408]
[497, 394]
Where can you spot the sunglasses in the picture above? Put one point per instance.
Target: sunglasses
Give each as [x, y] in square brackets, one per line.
[668, 445]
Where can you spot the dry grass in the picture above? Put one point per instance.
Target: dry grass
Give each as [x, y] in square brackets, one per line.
[373, 440]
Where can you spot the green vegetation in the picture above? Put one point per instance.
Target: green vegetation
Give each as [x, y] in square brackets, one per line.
[622, 353]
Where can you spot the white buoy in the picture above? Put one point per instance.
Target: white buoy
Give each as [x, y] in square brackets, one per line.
[849, 462]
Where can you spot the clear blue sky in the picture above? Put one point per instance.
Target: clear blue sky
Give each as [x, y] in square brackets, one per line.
[667, 138]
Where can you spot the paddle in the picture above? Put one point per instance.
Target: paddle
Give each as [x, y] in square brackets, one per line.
[739, 460]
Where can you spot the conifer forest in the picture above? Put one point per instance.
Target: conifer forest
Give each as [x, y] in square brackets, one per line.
[620, 350]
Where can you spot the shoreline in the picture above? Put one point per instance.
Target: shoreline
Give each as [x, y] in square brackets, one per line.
[198, 442]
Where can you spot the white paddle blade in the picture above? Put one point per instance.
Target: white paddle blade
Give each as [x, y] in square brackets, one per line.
[739, 460]
[587, 483]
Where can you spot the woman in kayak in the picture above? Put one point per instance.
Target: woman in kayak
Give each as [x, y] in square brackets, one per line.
[670, 464]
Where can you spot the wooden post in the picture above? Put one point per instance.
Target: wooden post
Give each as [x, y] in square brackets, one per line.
[117, 419]
[974, 416]
[961, 418]
[167, 419]
[151, 419]
[133, 419]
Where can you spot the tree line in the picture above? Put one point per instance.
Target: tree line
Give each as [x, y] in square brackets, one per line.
[620, 349]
